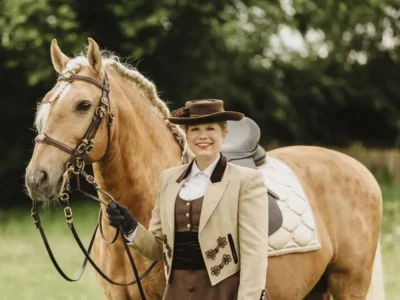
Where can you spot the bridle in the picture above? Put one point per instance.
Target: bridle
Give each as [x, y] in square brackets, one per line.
[76, 163]
[75, 166]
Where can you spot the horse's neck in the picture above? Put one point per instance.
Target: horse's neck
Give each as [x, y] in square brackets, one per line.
[141, 147]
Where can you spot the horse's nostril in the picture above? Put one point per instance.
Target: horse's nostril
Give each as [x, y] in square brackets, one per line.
[43, 177]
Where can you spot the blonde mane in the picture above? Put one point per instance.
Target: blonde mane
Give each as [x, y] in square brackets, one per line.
[149, 90]
[144, 85]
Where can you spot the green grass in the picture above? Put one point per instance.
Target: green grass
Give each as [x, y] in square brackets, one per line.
[27, 272]
[391, 240]
[26, 269]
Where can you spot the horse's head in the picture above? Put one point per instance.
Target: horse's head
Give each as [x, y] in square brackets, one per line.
[65, 115]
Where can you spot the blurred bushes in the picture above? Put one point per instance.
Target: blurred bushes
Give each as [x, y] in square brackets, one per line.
[310, 72]
[383, 163]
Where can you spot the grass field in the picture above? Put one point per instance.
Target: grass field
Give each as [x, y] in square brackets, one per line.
[27, 272]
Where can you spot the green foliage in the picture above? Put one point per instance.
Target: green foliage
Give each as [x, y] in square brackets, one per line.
[27, 28]
[310, 72]
[390, 238]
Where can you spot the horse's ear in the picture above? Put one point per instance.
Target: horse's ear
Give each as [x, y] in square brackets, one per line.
[58, 58]
[94, 57]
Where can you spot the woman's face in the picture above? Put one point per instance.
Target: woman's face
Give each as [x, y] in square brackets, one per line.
[205, 140]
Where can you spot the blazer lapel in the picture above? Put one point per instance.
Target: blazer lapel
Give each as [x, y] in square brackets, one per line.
[212, 196]
[171, 192]
[214, 191]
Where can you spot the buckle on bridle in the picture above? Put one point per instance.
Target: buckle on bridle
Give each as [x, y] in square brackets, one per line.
[111, 115]
[68, 214]
[90, 179]
[100, 109]
[36, 219]
[90, 146]
[64, 197]
[78, 166]
[83, 146]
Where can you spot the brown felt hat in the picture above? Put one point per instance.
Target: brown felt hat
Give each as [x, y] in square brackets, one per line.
[203, 111]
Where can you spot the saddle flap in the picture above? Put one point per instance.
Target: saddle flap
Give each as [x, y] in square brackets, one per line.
[275, 217]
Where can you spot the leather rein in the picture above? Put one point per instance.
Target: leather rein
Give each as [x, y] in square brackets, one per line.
[75, 166]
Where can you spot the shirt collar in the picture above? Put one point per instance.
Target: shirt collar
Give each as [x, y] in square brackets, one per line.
[208, 171]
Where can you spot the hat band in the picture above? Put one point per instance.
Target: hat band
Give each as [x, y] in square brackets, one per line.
[203, 111]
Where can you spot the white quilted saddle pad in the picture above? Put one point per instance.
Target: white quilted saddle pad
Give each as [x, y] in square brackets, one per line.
[298, 232]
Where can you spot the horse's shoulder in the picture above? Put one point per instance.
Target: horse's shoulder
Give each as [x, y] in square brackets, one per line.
[174, 171]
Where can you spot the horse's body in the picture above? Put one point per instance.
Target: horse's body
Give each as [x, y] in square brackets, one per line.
[345, 198]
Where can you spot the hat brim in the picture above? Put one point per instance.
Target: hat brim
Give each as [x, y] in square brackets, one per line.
[215, 117]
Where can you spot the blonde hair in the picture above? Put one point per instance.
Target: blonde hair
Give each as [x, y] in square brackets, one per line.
[223, 125]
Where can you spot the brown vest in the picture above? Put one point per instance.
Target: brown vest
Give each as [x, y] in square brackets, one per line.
[187, 254]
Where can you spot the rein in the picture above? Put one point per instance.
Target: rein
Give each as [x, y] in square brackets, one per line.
[75, 165]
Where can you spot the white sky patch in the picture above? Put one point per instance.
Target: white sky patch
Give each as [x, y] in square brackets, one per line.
[289, 42]
[287, 7]
[42, 114]
[392, 12]
[359, 57]
[285, 41]
[316, 41]
[389, 40]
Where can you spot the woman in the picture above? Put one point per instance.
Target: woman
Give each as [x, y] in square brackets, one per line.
[210, 220]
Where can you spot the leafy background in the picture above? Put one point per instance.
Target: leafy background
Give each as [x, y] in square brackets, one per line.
[308, 72]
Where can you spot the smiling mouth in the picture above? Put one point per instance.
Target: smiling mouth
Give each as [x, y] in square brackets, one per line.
[203, 145]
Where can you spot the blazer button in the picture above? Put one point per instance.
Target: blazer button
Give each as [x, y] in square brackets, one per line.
[187, 215]
[191, 288]
[187, 203]
[188, 225]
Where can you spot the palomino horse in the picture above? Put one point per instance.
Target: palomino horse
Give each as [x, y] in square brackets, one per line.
[127, 161]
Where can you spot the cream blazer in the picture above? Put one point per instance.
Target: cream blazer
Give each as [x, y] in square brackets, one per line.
[233, 229]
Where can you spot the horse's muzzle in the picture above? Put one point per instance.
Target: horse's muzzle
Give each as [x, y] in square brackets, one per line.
[41, 184]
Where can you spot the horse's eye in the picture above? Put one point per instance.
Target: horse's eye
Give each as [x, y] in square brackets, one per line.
[84, 106]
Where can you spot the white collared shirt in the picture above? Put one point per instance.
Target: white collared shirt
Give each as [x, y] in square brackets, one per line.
[197, 181]
[193, 188]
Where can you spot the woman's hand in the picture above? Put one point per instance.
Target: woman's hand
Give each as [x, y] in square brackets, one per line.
[119, 214]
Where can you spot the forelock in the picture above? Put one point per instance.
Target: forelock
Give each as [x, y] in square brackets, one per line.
[42, 114]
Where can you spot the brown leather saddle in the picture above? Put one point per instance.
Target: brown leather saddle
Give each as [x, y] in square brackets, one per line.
[241, 147]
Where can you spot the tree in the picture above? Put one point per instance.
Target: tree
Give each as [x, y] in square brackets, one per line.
[311, 72]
